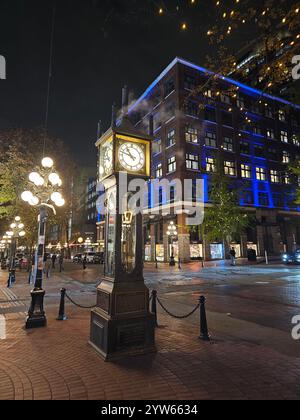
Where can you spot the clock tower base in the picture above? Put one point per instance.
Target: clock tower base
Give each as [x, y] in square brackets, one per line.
[121, 324]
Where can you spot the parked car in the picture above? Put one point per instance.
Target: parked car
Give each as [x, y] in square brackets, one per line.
[90, 257]
[99, 258]
[291, 257]
[77, 258]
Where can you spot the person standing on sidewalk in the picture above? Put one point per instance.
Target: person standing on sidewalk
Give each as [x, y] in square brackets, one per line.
[84, 262]
[61, 263]
[53, 260]
[233, 257]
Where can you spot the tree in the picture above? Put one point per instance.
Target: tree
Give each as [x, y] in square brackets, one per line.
[21, 152]
[224, 220]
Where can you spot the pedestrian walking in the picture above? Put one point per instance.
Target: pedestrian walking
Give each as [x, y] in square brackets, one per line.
[61, 263]
[84, 262]
[53, 260]
[233, 257]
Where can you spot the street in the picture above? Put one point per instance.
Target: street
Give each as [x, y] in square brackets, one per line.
[249, 311]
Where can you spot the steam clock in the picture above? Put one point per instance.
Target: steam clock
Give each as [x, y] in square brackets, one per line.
[122, 324]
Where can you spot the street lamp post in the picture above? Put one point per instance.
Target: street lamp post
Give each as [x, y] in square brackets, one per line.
[4, 245]
[172, 233]
[16, 232]
[45, 194]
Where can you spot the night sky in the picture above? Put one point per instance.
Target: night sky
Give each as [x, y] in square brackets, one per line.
[99, 45]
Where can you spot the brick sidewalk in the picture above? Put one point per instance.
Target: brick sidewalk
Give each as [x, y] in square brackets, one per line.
[57, 363]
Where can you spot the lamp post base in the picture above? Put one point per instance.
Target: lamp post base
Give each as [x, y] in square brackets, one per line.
[36, 315]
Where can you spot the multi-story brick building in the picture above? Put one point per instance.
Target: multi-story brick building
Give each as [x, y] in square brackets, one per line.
[255, 136]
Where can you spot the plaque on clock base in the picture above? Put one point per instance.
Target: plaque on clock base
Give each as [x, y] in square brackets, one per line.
[121, 324]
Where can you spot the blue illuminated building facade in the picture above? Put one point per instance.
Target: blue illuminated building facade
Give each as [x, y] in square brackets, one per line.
[202, 120]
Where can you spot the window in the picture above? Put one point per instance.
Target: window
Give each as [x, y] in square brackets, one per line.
[261, 174]
[275, 178]
[192, 162]
[210, 114]
[172, 164]
[286, 179]
[286, 157]
[257, 130]
[284, 136]
[248, 197]
[208, 93]
[273, 154]
[225, 98]
[211, 164]
[245, 148]
[270, 133]
[189, 82]
[169, 86]
[282, 116]
[296, 140]
[211, 139]
[172, 194]
[246, 171]
[255, 108]
[259, 151]
[171, 138]
[278, 200]
[227, 119]
[157, 98]
[263, 199]
[158, 171]
[240, 102]
[157, 146]
[228, 144]
[191, 109]
[269, 113]
[229, 168]
[191, 134]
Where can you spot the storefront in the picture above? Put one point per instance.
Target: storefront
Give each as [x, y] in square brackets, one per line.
[196, 251]
[217, 251]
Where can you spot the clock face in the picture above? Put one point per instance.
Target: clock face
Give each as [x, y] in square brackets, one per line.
[132, 157]
[106, 159]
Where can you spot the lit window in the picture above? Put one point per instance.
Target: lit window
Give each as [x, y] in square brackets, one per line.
[171, 138]
[261, 174]
[191, 135]
[286, 157]
[296, 140]
[211, 140]
[286, 179]
[211, 164]
[172, 164]
[158, 171]
[192, 162]
[229, 168]
[228, 144]
[282, 116]
[208, 93]
[246, 171]
[275, 178]
[284, 136]
[270, 133]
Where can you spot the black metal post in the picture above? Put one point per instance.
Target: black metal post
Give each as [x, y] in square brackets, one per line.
[204, 335]
[179, 264]
[61, 314]
[172, 259]
[36, 314]
[154, 305]
[12, 269]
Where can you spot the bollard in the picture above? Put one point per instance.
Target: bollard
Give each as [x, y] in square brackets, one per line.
[267, 258]
[154, 305]
[179, 264]
[61, 315]
[156, 263]
[204, 335]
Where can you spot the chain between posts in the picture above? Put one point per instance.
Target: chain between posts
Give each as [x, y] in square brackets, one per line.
[178, 316]
[77, 304]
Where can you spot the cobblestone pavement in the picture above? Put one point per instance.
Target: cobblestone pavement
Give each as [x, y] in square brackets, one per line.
[251, 355]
